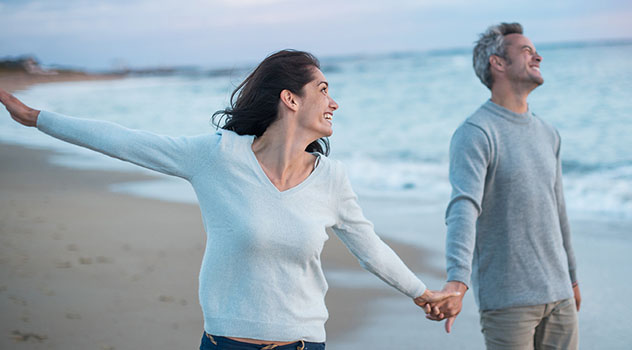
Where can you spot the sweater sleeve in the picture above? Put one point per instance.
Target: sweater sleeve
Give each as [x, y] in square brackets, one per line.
[561, 208]
[470, 153]
[168, 155]
[357, 233]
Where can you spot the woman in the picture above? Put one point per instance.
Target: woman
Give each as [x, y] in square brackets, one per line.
[267, 195]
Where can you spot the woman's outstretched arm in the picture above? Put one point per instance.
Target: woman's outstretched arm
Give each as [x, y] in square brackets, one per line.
[178, 156]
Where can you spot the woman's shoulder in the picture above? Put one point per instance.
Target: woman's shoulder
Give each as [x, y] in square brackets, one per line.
[227, 140]
[333, 168]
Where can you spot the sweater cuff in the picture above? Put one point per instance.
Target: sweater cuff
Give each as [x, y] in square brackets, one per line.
[44, 119]
[421, 289]
[459, 276]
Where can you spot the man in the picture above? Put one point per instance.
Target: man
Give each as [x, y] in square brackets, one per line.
[506, 221]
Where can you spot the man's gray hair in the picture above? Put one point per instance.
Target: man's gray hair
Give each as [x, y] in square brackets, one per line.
[492, 42]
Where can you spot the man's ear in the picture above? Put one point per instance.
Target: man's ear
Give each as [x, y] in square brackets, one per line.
[288, 98]
[497, 63]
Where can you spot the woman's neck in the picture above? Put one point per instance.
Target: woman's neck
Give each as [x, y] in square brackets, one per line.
[282, 156]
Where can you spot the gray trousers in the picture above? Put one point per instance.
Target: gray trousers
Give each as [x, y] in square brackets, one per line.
[547, 326]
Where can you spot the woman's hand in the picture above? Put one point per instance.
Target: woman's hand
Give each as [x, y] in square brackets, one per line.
[433, 296]
[20, 112]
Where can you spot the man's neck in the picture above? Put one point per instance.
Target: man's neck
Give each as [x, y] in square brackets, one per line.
[511, 97]
[519, 106]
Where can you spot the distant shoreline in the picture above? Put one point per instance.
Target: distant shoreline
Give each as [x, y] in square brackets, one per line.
[16, 81]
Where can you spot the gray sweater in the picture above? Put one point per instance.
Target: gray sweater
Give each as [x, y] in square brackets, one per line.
[506, 220]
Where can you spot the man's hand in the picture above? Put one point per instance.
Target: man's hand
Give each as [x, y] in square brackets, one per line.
[434, 296]
[448, 308]
[577, 295]
[20, 112]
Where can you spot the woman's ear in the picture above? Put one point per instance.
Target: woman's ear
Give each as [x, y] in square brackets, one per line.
[289, 99]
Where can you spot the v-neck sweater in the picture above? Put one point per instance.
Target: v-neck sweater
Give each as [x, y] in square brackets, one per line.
[261, 275]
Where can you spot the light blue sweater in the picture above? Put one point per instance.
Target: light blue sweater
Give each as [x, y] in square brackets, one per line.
[261, 275]
[507, 224]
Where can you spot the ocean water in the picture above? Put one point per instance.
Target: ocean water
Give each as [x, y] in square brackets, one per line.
[392, 131]
[397, 114]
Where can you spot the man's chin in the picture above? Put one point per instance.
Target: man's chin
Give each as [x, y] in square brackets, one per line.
[538, 80]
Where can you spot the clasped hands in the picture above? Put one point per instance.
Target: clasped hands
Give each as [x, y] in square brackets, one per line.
[443, 305]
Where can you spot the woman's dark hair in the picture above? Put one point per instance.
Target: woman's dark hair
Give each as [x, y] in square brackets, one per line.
[254, 103]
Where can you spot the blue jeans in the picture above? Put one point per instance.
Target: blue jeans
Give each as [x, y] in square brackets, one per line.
[213, 342]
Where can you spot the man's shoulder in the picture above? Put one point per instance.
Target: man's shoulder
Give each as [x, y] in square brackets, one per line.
[543, 123]
[481, 117]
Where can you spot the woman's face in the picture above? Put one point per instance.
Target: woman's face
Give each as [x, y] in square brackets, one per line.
[316, 108]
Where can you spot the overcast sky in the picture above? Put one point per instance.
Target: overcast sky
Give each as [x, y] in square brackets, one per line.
[98, 34]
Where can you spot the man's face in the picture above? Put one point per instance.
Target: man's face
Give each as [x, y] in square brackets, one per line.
[523, 61]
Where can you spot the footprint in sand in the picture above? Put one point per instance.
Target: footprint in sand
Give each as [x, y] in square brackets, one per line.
[17, 300]
[73, 316]
[20, 336]
[63, 265]
[72, 247]
[166, 299]
[26, 316]
[47, 291]
[104, 260]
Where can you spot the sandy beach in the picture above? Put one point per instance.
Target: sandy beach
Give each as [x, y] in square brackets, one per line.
[15, 81]
[85, 268]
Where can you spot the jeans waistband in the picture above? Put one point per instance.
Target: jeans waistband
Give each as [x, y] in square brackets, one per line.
[299, 345]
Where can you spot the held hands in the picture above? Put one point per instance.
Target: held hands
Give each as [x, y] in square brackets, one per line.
[430, 298]
[447, 308]
[20, 112]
